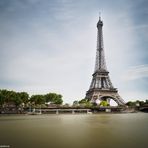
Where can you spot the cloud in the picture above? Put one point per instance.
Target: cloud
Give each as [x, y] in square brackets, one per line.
[51, 45]
[136, 72]
[42, 61]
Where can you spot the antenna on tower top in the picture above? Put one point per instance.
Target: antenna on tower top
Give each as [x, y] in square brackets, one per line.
[99, 15]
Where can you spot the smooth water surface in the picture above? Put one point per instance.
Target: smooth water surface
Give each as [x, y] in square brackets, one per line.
[75, 131]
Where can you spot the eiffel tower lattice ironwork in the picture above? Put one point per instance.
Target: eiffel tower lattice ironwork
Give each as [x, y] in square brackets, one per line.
[101, 86]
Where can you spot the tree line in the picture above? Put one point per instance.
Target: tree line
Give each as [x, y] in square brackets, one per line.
[11, 98]
[86, 103]
[137, 103]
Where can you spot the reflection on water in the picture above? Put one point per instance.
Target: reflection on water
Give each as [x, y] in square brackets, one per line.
[75, 131]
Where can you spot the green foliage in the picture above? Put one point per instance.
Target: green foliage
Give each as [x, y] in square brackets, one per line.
[24, 97]
[17, 101]
[2, 98]
[37, 99]
[7, 96]
[83, 101]
[88, 104]
[130, 103]
[104, 103]
[136, 103]
[58, 100]
[17, 98]
[48, 98]
[53, 98]
[75, 103]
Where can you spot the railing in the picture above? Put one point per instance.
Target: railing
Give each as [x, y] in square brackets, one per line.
[77, 110]
[58, 111]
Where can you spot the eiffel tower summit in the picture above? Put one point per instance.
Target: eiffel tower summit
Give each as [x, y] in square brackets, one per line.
[101, 87]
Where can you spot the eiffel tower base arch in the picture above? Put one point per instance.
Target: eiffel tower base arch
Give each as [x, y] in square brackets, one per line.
[101, 94]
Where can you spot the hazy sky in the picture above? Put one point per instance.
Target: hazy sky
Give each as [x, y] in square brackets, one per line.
[50, 46]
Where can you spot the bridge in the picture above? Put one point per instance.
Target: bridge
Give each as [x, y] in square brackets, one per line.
[69, 110]
[61, 111]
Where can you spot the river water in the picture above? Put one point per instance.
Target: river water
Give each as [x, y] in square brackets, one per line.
[74, 131]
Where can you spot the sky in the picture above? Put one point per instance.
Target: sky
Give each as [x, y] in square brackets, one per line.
[50, 46]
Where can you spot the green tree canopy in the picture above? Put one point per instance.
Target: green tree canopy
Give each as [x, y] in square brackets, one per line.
[23, 96]
[83, 101]
[75, 103]
[2, 98]
[7, 96]
[53, 98]
[137, 102]
[104, 103]
[37, 99]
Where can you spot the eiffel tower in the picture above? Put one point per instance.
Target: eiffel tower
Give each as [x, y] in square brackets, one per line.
[101, 86]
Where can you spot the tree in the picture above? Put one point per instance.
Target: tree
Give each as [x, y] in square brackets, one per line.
[88, 104]
[5, 94]
[75, 103]
[50, 97]
[24, 97]
[141, 103]
[14, 98]
[130, 103]
[83, 101]
[53, 98]
[104, 103]
[2, 99]
[9, 98]
[37, 99]
[58, 100]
